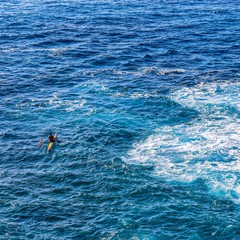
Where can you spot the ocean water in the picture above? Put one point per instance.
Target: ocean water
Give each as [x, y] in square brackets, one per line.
[144, 96]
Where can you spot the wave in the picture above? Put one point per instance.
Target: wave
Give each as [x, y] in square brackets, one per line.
[206, 147]
[139, 72]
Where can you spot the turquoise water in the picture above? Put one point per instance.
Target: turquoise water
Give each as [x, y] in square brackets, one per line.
[144, 97]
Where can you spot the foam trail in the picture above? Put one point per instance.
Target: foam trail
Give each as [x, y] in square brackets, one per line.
[207, 148]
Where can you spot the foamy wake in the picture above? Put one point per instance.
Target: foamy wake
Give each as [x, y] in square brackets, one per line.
[207, 147]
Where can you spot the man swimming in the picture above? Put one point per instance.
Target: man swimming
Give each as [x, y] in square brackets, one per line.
[51, 137]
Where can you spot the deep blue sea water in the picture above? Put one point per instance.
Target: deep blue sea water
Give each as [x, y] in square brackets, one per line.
[144, 96]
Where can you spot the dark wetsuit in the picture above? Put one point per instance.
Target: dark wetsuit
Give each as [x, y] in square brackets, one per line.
[51, 138]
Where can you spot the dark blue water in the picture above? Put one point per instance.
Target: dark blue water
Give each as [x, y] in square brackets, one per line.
[144, 97]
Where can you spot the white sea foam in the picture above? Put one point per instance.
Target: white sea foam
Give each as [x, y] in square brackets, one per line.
[135, 95]
[139, 72]
[207, 147]
[57, 51]
[68, 105]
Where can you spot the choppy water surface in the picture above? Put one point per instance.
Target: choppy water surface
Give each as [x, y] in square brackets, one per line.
[144, 97]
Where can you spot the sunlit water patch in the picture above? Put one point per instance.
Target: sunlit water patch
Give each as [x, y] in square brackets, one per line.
[206, 147]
